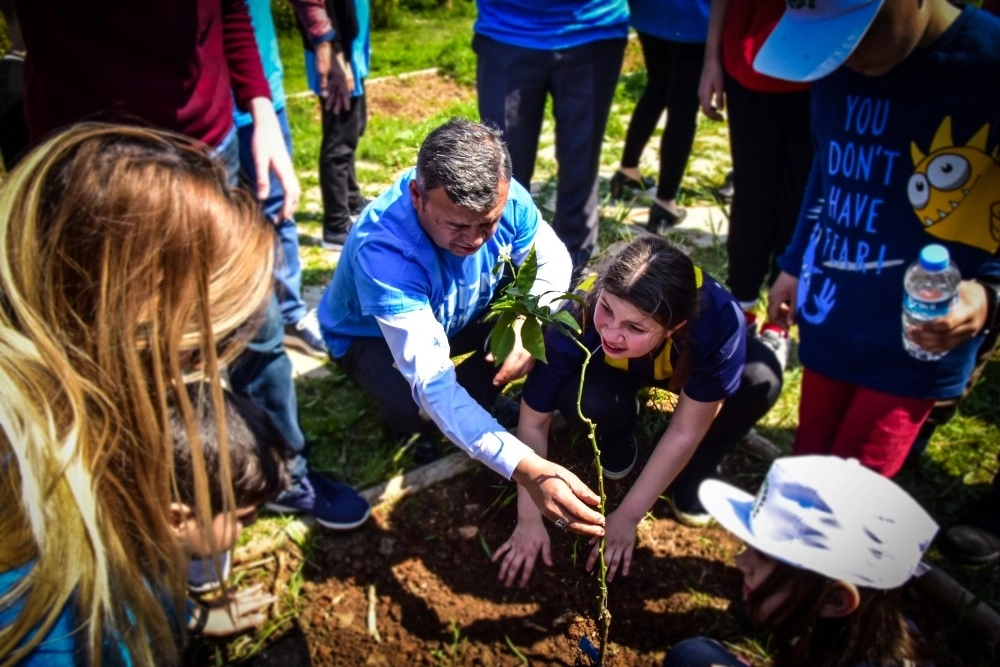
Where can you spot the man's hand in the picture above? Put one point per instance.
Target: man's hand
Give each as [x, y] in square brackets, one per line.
[781, 300]
[336, 79]
[271, 155]
[239, 611]
[966, 320]
[618, 545]
[559, 494]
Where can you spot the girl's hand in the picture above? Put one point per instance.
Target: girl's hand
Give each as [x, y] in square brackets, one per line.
[619, 542]
[239, 611]
[521, 551]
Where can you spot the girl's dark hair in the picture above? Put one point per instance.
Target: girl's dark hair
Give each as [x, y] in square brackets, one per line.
[875, 633]
[655, 277]
[257, 451]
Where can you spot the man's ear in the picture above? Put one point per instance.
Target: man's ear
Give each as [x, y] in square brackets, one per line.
[415, 194]
[841, 600]
[180, 514]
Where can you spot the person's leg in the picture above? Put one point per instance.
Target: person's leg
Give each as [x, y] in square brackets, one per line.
[288, 271]
[583, 86]
[684, 61]
[355, 200]
[336, 161]
[701, 652]
[511, 85]
[608, 400]
[791, 110]
[760, 386]
[369, 364]
[822, 405]
[651, 103]
[879, 428]
[757, 171]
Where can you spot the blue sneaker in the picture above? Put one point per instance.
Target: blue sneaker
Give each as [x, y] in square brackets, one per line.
[202, 577]
[333, 504]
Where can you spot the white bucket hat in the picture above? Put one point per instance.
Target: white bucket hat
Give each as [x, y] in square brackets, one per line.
[829, 515]
[815, 37]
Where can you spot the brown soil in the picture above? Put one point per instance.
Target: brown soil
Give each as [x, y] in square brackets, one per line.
[415, 97]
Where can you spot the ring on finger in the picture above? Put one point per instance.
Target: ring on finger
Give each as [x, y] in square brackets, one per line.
[560, 524]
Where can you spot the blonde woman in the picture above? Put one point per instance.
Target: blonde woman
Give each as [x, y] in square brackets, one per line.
[126, 266]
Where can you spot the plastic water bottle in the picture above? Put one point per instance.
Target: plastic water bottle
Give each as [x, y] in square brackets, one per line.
[931, 288]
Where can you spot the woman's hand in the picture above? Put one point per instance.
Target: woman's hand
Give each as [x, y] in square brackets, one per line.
[521, 551]
[619, 542]
[239, 611]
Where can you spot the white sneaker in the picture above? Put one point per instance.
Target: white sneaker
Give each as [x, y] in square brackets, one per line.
[775, 338]
[305, 336]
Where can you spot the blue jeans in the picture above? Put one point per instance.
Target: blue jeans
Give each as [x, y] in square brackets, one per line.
[263, 373]
[701, 652]
[288, 272]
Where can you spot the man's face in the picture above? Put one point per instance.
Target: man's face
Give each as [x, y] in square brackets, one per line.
[458, 230]
[896, 31]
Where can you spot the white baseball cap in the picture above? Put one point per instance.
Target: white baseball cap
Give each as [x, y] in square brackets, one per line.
[829, 515]
[815, 37]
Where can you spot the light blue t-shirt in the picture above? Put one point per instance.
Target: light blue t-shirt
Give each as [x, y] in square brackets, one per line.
[390, 266]
[270, 57]
[551, 25]
[672, 20]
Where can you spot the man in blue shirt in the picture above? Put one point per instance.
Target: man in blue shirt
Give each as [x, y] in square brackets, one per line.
[416, 277]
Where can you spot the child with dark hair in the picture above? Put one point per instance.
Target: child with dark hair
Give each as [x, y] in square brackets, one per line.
[653, 319]
[257, 452]
[828, 543]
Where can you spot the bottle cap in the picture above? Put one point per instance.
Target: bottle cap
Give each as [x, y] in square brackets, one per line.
[934, 257]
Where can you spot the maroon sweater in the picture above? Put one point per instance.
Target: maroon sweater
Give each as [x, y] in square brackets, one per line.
[174, 64]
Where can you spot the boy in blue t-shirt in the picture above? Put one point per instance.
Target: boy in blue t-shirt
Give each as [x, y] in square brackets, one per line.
[906, 121]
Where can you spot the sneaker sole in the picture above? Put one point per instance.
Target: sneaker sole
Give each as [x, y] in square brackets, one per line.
[689, 520]
[616, 475]
[282, 509]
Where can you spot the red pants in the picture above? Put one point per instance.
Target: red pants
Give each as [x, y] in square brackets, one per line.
[850, 421]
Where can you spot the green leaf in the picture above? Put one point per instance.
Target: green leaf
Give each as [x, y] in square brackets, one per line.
[526, 272]
[502, 337]
[566, 319]
[533, 339]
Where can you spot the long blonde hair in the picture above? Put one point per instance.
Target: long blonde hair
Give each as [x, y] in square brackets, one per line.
[127, 265]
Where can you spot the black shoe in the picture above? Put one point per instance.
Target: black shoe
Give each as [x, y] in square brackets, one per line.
[335, 240]
[620, 181]
[660, 219]
[618, 455]
[975, 538]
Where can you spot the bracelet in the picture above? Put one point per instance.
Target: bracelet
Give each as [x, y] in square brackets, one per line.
[200, 621]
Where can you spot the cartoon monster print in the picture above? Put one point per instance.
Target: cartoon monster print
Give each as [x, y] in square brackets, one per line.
[955, 190]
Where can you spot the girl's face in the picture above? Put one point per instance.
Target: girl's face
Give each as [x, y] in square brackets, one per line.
[626, 332]
[226, 527]
[756, 567]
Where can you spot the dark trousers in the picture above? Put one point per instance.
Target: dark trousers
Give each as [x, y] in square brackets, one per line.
[772, 154]
[513, 83]
[609, 397]
[369, 364]
[673, 71]
[338, 182]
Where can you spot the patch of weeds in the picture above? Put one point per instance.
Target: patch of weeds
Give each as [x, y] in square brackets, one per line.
[452, 652]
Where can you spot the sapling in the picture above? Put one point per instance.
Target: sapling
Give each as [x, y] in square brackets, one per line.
[516, 310]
